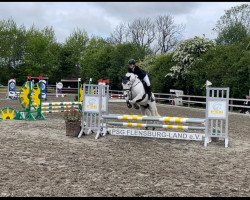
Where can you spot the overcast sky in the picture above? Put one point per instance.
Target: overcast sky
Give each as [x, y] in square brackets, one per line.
[100, 18]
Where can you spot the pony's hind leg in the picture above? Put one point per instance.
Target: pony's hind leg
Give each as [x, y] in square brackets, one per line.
[153, 110]
[144, 112]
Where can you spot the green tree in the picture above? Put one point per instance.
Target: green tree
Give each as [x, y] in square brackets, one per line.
[186, 54]
[72, 54]
[148, 62]
[41, 55]
[234, 25]
[236, 14]
[119, 57]
[104, 60]
[12, 48]
[96, 60]
[235, 33]
[224, 66]
[157, 67]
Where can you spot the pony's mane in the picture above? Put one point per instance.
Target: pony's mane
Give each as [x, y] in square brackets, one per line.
[131, 74]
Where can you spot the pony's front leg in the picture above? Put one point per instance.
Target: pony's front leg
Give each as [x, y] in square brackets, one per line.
[134, 101]
[127, 100]
[129, 104]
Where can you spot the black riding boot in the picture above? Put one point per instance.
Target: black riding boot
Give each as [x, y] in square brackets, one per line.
[148, 90]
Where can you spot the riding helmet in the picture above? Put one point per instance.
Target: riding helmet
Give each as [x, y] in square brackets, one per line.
[131, 62]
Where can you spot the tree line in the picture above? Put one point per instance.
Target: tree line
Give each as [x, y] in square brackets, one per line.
[172, 63]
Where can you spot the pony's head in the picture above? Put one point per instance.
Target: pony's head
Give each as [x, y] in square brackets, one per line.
[128, 80]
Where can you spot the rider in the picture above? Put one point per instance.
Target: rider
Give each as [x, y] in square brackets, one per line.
[142, 75]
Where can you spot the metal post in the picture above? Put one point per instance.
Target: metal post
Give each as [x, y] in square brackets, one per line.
[231, 107]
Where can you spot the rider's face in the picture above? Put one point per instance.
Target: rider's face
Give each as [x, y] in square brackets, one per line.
[131, 66]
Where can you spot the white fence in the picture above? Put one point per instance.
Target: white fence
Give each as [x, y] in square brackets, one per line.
[191, 100]
[166, 98]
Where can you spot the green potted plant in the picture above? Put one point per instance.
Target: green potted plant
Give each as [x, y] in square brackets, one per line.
[72, 118]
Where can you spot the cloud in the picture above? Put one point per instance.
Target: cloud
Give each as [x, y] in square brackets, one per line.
[204, 19]
[64, 17]
[100, 18]
[131, 10]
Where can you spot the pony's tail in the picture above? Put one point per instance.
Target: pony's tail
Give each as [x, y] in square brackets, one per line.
[156, 111]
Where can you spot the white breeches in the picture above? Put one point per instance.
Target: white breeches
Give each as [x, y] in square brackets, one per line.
[146, 79]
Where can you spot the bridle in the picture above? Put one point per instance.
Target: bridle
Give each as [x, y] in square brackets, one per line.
[131, 84]
[129, 90]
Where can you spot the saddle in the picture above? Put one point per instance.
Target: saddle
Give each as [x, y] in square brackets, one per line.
[146, 90]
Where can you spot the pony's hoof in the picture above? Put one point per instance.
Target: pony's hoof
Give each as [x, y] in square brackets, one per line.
[136, 107]
[129, 105]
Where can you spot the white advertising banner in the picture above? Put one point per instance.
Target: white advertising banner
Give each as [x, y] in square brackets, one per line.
[156, 134]
[91, 104]
[217, 109]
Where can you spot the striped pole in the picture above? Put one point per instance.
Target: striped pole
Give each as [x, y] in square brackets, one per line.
[129, 124]
[49, 110]
[152, 118]
[52, 111]
[61, 103]
[52, 107]
[118, 95]
[62, 108]
[58, 107]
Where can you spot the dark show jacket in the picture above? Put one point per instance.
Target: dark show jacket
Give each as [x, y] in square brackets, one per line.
[138, 71]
